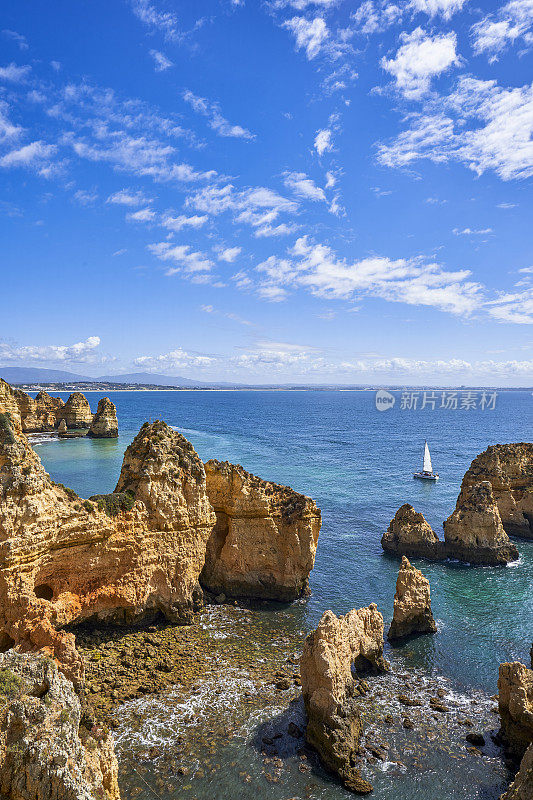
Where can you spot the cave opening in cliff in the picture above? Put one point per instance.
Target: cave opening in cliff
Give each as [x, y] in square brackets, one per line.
[44, 592]
[6, 642]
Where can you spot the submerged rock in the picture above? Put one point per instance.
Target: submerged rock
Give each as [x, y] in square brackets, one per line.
[509, 469]
[104, 424]
[474, 532]
[515, 704]
[45, 754]
[265, 538]
[412, 604]
[409, 534]
[334, 725]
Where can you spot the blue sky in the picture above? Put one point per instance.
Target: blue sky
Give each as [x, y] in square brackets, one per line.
[307, 190]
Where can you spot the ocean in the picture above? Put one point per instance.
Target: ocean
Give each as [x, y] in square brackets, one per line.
[356, 462]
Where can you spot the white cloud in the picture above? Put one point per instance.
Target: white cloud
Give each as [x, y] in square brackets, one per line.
[472, 232]
[419, 59]
[217, 122]
[303, 187]
[208, 309]
[18, 38]
[500, 141]
[127, 197]
[81, 352]
[316, 268]
[187, 261]
[302, 5]
[161, 62]
[374, 17]
[85, 197]
[506, 205]
[36, 156]
[229, 254]
[142, 215]
[14, 74]
[495, 32]
[177, 224]
[164, 21]
[323, 141]
[8, 131]
[434, 8]
[175, 359]
[310, 35]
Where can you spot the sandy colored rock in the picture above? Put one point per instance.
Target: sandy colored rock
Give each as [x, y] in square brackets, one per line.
[9, 405]
[123, 557]
[40, 414]
[509, 468]
[412, 603]
[334, 725]
[44, 752]
[104, 424]
[474, 532]
[265, 539]
[77, 412]
[409, 534]
[515, 703]
[522, 786]
[62, 427]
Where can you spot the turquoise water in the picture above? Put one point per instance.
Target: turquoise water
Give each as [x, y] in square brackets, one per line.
[357, 464]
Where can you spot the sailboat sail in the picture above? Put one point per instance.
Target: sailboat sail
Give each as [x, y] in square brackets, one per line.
[427, 460]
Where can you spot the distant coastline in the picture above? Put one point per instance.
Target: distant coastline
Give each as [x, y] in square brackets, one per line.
[120, 387]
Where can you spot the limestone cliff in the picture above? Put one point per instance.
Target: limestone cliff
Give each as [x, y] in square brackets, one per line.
[515, 703]
[40, 414]
[410, 535]
[265, 538]
[522, 786]
[412, 604]
[76, 412]
[509, 468]
[474, 531]
[334, 725]
[9, 405]
[44, 752]
[121, 557]
[104, 424]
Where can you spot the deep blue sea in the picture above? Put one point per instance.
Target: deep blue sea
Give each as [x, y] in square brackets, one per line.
[357, 464]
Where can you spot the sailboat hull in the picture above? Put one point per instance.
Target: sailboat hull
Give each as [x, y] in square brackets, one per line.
[426, 476]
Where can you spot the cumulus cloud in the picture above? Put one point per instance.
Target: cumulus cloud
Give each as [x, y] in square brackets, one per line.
[177, 224]
[14, 74]
[434, 8]
[500, 141]
[82, 352]
[161, 62]
[310, 35]
[419, 59]
[127, 197]
[175, 359]
[8, 130]
[142, 215]
[495, 32]
[303, 186]
[217, 122]
[186, 260]
[37, 156]
[373, 16]
[229, 254]
[323, 141]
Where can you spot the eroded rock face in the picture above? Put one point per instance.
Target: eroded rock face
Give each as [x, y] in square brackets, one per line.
[509, 469]
[522, 786]
[409, 534]
[40, 414]
[9, 405]
[474, 532]
[44, 753]
[412, 604]
[77, 412]
[125, 556]
[515, 702]
[265, 538]
[104, 424]
[334, 724]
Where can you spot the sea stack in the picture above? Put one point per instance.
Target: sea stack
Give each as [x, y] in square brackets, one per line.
[515, 703]
[409, 534]
[412, 604]
[45, 753]
[474, 532]
[265, 538]
[104, 424]
[509, 469]
[77, 412]
[329, 688]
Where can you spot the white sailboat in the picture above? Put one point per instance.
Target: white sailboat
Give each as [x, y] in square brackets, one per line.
[427, 474]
